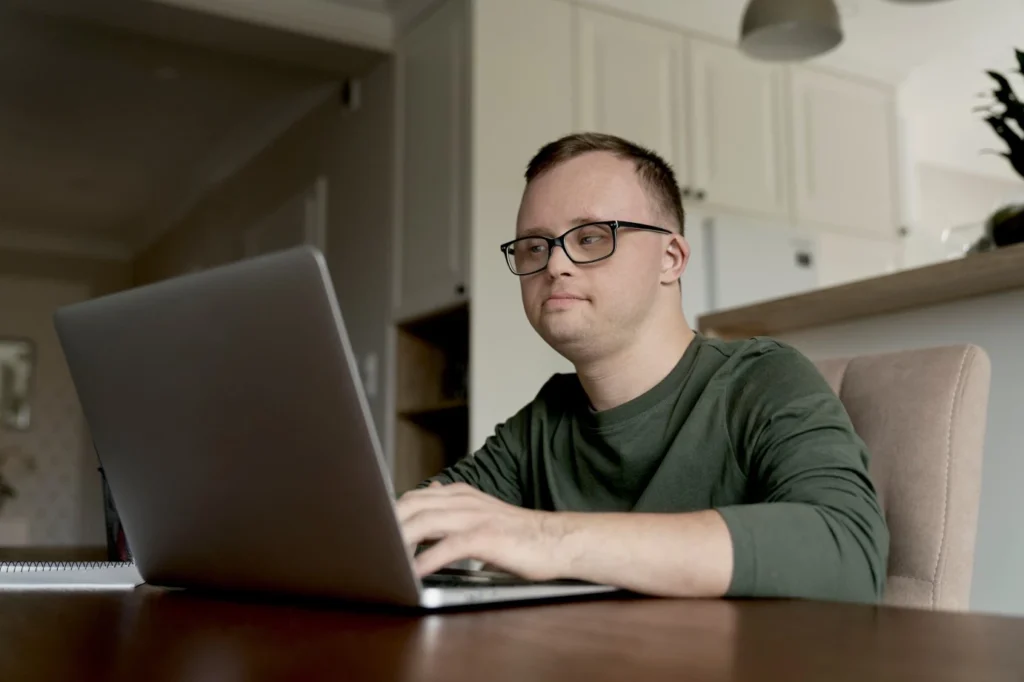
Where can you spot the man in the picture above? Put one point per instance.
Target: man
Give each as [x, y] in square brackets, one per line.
[668, 464]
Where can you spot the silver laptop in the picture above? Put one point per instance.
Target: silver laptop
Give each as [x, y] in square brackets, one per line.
[231, 424]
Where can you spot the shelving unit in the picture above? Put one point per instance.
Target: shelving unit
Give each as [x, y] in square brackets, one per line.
[432, 425]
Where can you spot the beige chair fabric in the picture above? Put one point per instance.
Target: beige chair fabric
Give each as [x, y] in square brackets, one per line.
[922, 414]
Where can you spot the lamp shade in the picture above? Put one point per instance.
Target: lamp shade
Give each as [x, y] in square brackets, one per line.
[790, 30]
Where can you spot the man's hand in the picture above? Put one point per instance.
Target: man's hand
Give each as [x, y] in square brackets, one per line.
[468, 524]
[673, 555]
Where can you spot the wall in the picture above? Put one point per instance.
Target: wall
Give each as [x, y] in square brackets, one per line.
[946, 166]
[950, 198]
[360, 214]
[996, 324]
[937, 99]
[101, 276]
[518, 75]
[355, 152]
[60, 503]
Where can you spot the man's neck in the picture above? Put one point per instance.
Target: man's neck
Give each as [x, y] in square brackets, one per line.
[615, 380]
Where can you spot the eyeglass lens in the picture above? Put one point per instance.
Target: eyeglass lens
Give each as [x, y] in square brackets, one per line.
[583, 244]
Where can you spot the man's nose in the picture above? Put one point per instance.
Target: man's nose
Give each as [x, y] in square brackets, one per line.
[559, 262]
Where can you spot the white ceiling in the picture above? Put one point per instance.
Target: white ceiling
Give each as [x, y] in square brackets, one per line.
[107, 133]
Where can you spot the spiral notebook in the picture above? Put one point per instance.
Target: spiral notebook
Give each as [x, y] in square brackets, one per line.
[69, 575]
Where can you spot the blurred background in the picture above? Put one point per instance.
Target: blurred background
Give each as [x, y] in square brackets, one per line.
[145, 139]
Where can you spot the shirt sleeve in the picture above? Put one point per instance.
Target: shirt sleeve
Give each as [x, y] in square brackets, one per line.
[495, 468]
[813, 528]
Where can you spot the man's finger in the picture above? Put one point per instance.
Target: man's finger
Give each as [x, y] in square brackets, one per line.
[425, 499]
[436, 489]
[439, 489]
[434, 524]
[449, 550]
[420, 505]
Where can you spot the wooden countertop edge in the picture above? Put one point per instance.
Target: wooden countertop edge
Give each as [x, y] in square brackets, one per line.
[967, 277]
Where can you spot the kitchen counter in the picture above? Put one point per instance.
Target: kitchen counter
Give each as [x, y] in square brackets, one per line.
[968, 277]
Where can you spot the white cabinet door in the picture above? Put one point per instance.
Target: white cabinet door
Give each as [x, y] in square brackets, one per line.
[844, 153]
[432, 76]
[754, 260]
[632, 84]
[738, 141]
[843, 258]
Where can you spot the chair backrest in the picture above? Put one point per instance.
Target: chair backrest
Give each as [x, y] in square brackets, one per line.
[922, 415]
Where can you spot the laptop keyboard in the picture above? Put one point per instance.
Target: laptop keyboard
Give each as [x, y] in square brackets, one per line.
[458, 577]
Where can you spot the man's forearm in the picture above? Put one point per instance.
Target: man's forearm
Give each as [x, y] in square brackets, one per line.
[671, 555]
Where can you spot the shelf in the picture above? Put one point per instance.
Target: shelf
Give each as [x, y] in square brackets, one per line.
[432, 360]
[432, 429]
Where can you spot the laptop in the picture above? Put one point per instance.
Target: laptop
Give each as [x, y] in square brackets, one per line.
[231, 424]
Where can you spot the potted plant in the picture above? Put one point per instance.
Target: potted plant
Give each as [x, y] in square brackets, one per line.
[1004, 113]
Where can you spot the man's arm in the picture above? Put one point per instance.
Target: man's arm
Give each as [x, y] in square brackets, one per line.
[813, 530]
[682, 555]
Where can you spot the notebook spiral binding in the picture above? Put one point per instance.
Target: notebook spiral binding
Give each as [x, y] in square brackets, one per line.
[27, 566]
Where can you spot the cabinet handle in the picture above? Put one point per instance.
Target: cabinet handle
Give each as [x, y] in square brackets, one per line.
[701, 194]
[687, 192]
[803, 259]
[460, 289]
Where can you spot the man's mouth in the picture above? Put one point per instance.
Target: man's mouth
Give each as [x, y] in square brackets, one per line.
[563, 299]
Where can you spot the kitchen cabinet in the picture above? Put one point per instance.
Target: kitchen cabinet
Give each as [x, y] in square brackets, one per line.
[843, 134]
[631, 84]
[844, 258]
[793, 143]
[743, 260]
[754, 260]
[431, 249]
[739, 151]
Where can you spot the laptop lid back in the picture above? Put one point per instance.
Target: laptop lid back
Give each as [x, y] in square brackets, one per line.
[229, 418]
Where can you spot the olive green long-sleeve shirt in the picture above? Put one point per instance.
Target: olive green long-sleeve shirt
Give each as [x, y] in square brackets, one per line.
[748, 428]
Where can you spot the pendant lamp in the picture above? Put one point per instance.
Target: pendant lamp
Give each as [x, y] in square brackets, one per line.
[790, 30]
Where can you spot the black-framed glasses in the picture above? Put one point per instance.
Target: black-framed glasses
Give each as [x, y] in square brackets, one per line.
[582, 244]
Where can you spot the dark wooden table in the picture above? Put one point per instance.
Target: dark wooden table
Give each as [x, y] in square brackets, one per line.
[150, 635]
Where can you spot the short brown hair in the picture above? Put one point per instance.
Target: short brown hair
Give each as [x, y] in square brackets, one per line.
[655, 173]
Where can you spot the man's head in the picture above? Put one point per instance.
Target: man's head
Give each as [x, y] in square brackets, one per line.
[589, 310]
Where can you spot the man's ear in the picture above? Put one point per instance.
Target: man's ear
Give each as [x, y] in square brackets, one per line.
[675, 259]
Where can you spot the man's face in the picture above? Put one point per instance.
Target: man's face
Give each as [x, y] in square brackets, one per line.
[595, 308]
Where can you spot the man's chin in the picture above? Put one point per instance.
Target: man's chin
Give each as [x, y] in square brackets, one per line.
[562, 337]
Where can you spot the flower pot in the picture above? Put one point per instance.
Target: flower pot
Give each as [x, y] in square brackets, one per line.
[1007, 227]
